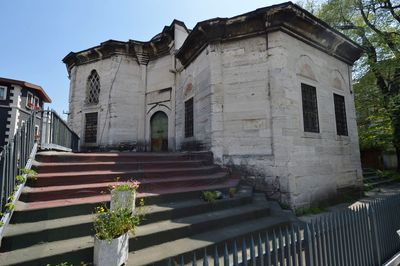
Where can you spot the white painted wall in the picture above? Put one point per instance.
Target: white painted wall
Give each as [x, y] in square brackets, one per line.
[194, 82]
[317, 163]
[121, 103]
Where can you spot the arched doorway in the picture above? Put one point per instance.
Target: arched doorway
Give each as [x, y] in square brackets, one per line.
[159, 131]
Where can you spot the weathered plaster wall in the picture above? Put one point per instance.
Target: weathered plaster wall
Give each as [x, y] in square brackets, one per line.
[160, 94]
[121, 102]
[313, 165]
[194, 81]
[159, 74]
[257, 117]
[241, 123]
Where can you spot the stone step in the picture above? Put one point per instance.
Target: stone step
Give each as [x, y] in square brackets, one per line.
[54, 209]
[160, 253]
[371, 178]
[369, 172]
[32, 194]
[23, 235]
[379, 183]
[70, 178]
[121, 156]
[148, 235]
[133, 166]
[169, 230]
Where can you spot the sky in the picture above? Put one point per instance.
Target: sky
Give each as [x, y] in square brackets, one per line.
[35, 35]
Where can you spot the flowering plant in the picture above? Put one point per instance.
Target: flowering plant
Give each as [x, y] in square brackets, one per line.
[125, 186]
[111, 224]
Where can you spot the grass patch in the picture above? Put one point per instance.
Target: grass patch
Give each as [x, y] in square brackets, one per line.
[311, 210]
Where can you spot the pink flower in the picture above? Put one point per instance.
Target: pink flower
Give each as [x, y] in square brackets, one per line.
[135, 184]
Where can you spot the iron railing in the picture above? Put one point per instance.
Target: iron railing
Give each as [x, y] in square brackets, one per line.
[44, 130]
[363, 236]
[14, 155]
[56, 134]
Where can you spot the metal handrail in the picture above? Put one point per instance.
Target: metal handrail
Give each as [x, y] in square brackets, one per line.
[15, 155]
[56, 134]
[53, 133]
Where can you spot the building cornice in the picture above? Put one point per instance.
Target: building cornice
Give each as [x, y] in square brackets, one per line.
[286, 17]
[143, 52]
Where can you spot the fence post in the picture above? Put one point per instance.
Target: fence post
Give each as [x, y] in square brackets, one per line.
[377, 249]
[308, 246]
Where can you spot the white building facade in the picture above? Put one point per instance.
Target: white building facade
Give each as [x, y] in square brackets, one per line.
[268, 92]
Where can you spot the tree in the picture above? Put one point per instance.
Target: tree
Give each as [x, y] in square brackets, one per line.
[373, 120]
[375, 26]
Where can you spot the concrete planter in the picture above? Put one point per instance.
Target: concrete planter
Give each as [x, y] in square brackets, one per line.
[123, 199]
[114, 253]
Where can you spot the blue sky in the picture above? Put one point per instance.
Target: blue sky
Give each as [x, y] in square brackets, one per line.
[36, 35]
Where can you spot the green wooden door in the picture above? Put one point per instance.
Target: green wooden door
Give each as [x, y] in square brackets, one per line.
[159, 132]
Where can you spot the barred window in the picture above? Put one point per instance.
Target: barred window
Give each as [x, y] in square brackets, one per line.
[310, 108]
[340, 115]
[91, 127]
[93, 88]
[189, 118]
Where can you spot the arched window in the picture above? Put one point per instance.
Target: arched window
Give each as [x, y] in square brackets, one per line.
[93, 88]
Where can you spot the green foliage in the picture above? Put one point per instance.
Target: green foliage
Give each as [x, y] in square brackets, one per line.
[20, 179]
[375, 26]
[30, 173]
[110, 224]
[210, 196]
[311, 210]
[373, 119]
[65, 264]
[389, 174]
[232, 192]
[9, 206]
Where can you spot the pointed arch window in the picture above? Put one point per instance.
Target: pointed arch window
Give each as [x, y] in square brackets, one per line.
[93, 88]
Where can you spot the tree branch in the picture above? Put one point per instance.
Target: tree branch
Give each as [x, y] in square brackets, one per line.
[384, 35]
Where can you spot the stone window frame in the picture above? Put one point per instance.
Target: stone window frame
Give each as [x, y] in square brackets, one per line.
[93, 88]
[346, 129]
[5, 92]
[317, 127]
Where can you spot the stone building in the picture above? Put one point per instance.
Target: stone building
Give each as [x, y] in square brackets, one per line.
[17, 101]
[268, 92]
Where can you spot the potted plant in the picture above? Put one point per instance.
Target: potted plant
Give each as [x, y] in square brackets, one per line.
[112, 228]
[123, 195]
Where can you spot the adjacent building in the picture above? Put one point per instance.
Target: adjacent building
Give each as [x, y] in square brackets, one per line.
[17, 101]
[269, 92]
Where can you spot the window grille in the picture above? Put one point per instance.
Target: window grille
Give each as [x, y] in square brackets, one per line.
[93, 88]
[340, 115]
[189, 118]
[91, 127]
[310, 108]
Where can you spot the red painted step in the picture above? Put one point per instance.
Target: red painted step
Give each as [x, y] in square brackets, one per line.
[79, 177]
[87, 190]
[137, 165]
[232, 182]
[121, 156]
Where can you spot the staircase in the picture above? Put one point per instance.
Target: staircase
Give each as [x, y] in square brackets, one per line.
[373, 180]
[52, 222]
